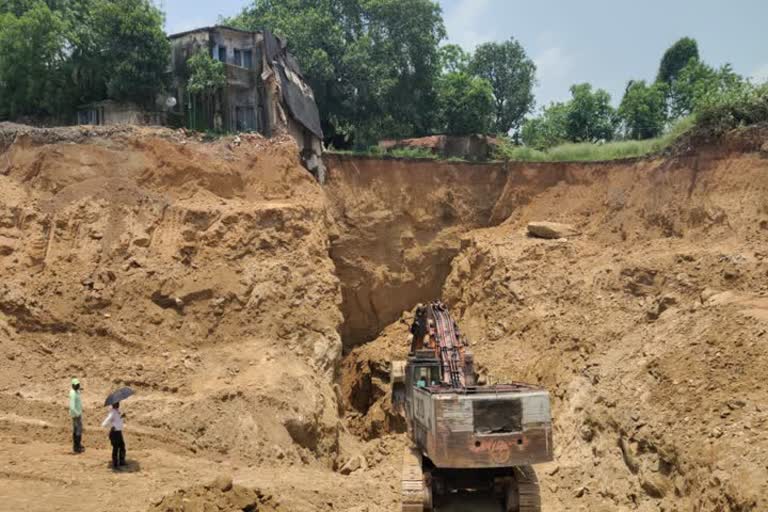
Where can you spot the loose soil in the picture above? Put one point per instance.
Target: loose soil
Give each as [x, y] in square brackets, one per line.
[255, 313]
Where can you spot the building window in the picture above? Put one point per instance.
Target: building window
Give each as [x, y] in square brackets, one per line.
[238, 58]
[223, 53]
[248, 59]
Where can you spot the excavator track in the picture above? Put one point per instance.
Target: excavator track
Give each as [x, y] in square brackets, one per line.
[527, 489]
[413, 489]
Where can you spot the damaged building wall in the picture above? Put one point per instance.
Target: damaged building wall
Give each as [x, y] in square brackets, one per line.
[110, 112]
[241, 105]
[265, 90]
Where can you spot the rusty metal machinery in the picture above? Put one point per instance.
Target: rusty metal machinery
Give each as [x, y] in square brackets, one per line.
[470, 444]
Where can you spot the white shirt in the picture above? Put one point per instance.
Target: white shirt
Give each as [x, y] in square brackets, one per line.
[115, 418]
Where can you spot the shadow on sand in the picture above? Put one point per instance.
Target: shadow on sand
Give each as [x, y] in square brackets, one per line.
[130, 466]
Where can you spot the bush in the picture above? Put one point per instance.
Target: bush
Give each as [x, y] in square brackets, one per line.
[739, 106]
[414, 153]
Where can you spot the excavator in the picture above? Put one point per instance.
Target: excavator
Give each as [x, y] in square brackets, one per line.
[471, 447]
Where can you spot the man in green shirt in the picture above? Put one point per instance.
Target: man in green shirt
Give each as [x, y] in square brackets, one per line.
[76, 413]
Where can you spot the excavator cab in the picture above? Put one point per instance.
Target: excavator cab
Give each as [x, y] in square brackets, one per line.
[422, 370]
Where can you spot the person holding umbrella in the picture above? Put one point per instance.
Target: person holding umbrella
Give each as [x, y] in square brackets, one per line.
[76, 413]
[115, 421]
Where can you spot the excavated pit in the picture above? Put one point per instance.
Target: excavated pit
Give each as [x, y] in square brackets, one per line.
[233, 293]
[648, 328]
[399, 224]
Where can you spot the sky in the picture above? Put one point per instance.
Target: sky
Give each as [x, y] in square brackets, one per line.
[604, 42]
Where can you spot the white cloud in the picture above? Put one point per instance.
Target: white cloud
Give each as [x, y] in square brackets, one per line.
[553, 73]
[553, 64]
[467, 23]
[760, 75]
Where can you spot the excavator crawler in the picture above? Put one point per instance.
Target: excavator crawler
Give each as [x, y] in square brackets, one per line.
[472, 447]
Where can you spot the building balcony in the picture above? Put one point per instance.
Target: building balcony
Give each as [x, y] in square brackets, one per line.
[238, 76]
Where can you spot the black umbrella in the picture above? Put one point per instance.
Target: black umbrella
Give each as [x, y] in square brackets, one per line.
[118, 396]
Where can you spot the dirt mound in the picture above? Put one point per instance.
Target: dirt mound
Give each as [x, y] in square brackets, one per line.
[219, 494]
[198, 274]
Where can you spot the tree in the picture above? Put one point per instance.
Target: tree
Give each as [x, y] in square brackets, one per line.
[31, 58]
[466, 103]
[58, 54]
[698, 83]
[131, 48]
[372, 64]
[512, 75]
[453, 58]
[586, 117]
[590, 116]
[643, 109]
[676, 58]
[206, 75]
[547, 130]
[205, 78]
[63, 7]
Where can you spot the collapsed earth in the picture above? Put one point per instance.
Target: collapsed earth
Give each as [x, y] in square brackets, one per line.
[257, 313]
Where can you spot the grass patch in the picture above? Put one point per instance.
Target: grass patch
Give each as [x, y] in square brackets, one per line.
[591, 152]
[416, 153]
[571, 152]
[377, 152]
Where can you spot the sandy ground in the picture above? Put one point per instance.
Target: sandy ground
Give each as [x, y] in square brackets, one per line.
[255, 313]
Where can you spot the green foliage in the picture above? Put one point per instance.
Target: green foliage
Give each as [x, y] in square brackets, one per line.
[466, 103]
[586, 117]
[372, 64]
[643, 110]
[453, 59]
[31, 61]
[511, 73]
[582, 152]
[593, 152]
[128, 34]
[377, 152]
[547, 130]
[719, 98]
[20, 7]
[590, 115]
[57, 54]
[677, 57]
[412, 153]
[698, 83]
[741, 105]
[206, 75]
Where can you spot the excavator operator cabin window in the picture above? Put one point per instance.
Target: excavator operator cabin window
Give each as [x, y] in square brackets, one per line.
[427, 376]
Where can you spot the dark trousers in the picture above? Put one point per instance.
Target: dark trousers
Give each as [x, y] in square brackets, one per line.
[118, 447]
[77, 434]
